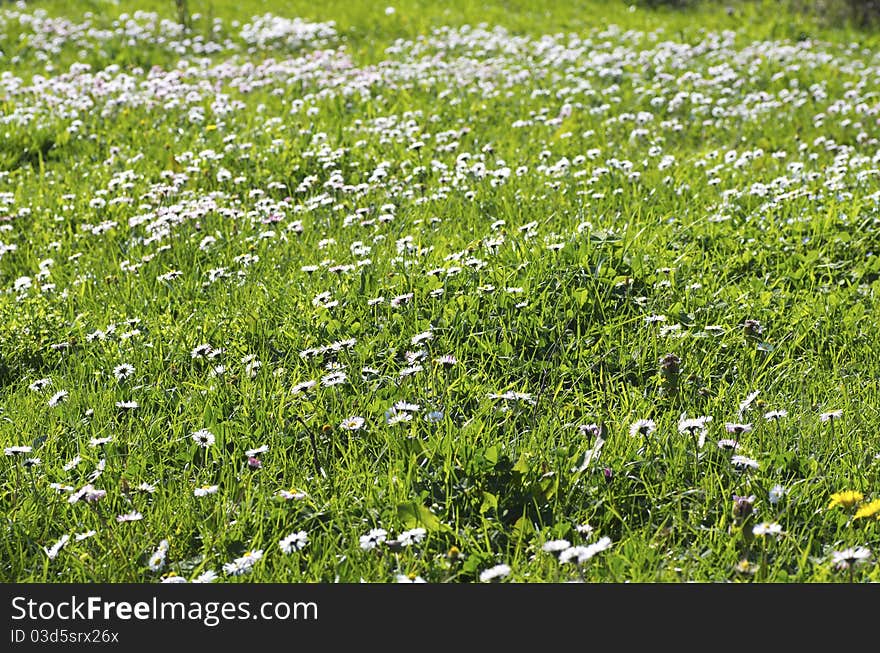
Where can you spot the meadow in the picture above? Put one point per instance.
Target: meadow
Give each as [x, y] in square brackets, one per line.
[457, 292]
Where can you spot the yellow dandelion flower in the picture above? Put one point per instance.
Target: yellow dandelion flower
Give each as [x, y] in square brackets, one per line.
[847, 498]
[871, 509]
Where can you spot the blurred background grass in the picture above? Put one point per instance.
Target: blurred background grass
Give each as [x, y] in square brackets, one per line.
[836, 19]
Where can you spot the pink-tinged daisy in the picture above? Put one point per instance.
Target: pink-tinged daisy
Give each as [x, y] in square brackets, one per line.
[421, 337]
[851, 557]
[58, 398]
[767, 528]
[408, 538]
[134, 515]
[831, 415]
[73, 462]
[581, 553]
[87, 493]
[555, 546]
[204, 438]
[123, 371]
[243, 564]
[643, 427]
[776, 493]
[373, 539]
[53, 550]
[494, 573]
[294, 542]
[396, 417]
[744, 462]
[353, 423]
[290, 495]
[40, 384]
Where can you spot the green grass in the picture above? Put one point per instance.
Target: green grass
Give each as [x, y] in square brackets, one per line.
[559, 200]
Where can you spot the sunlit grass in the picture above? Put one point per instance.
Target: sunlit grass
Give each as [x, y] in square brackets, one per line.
[457, 292]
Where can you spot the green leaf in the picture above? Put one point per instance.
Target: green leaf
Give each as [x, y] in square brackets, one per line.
[414, 514]
[490, 502]
[472, 428]
[581, 296]
[472, 564]
[522, 465]
[523, 528]
[549, 485]
[208, 418]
